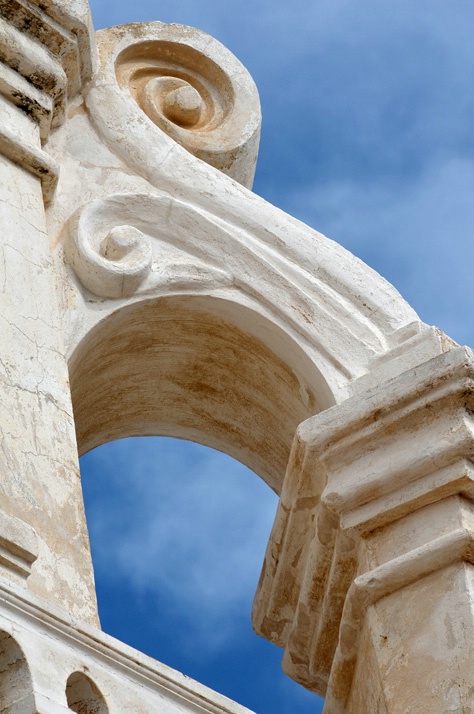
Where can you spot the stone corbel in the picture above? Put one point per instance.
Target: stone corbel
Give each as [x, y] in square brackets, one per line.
[366, 581]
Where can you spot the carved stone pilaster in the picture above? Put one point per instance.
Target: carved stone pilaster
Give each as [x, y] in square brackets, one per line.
[376, 500]
[46, 56]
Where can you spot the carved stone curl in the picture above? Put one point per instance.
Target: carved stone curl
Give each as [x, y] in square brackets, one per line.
[110, 261]
[193, 89]
[125, 244]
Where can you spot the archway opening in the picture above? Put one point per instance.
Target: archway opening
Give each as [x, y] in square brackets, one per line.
[199, 368]
[224, 375]
[178, 533]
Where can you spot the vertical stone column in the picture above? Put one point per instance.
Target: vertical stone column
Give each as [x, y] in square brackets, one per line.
[368, 582]
[43, 534]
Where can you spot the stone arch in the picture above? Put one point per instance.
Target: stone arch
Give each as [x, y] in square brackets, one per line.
[83, 697]
[197, 368]
[16, 686]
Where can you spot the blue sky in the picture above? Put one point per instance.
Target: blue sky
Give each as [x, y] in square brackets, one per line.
[368, 116]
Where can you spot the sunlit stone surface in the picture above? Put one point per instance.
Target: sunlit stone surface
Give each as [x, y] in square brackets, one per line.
[145, 290]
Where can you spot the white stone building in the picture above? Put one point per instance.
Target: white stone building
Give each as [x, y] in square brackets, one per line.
[143, 285]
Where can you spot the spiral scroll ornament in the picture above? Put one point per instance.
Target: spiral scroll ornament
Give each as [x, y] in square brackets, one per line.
[198, 93]
[133, 244]
[110, 257]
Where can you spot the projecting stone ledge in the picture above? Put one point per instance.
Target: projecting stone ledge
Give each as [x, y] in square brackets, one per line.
[47, 53]
[62, 665]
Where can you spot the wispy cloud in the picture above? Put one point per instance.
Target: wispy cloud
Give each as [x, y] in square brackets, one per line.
[183, 521]
[419, 236]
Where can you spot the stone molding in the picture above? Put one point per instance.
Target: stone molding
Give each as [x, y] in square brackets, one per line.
[51, 46]
[18, 545]
[64, 28]
[55, 646]
[354, 470]
[14, 147]
[454, 547]
[46, 57]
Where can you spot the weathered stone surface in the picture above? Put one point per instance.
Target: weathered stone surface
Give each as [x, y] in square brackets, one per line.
[376, 510]
[192, 88]
[136, 262]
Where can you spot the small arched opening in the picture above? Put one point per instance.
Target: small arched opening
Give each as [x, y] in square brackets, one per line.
[83, 696]
[16, 686]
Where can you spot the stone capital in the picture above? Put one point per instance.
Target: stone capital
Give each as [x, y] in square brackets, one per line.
[377, 496]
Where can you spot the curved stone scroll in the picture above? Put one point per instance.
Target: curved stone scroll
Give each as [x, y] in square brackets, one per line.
[194, 90]
[110, 260]
[111, 249]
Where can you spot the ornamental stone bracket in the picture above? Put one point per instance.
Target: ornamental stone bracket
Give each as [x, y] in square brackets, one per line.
[367, 581]
[151, 204]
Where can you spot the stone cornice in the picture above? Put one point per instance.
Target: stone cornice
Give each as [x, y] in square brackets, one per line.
[62, 30]
[47, 54]
[43, 631]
